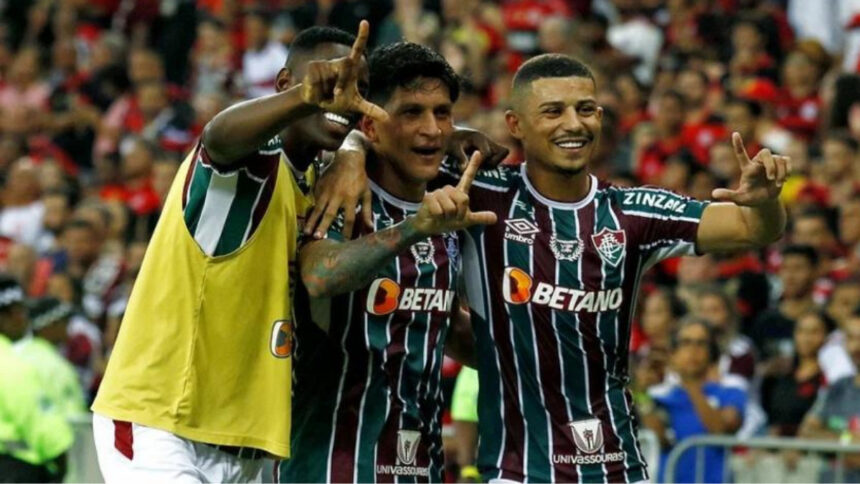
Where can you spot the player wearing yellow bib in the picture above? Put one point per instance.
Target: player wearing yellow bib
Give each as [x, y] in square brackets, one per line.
[198, 385]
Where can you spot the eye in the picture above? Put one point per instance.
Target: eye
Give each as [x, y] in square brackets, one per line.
[588, 110]
[552, 112]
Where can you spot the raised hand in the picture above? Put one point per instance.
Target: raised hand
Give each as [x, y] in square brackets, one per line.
[761, 177]
[447, 209]
[333, 84]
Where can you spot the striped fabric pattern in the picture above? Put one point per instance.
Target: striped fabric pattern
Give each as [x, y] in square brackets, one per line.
[552, 288]
[223, 207]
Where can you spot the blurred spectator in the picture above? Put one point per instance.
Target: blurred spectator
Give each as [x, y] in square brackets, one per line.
[799, 108]
[786, 397]
[695, 405]
[836, 415]
[737, 354]
[835, 361]
[668, 118]
[264, 56]
[773, 331]
[21, 216]
[637, 37]
[411, 22]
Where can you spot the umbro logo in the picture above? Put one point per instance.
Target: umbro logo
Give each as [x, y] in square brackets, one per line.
[521, 230]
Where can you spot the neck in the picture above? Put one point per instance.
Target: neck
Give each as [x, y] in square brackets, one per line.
[386, 175]
[801, 90]
[300, 151]
[795, 307]
[559, 185]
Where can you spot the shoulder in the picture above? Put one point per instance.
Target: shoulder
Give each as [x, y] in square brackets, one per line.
[732, 383]
[662, 392]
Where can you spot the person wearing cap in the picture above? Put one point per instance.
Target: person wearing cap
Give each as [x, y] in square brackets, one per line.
[34, 436]
[48, 322]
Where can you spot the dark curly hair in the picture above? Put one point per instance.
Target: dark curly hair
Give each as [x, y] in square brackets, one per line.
[401, 64]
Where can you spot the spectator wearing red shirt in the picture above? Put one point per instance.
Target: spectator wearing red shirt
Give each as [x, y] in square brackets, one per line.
[799, 107]
[701, 128]
[523, 18]
[668, 116]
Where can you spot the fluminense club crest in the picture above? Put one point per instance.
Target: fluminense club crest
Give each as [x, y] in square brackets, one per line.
[407, 446]
[566, 249]
[611, 245]
[423, 251]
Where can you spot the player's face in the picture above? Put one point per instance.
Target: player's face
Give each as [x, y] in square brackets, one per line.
[323, 129]
[557, 119]
[414, 137]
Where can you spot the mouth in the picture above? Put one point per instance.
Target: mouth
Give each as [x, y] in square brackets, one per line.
[572, 145]
[336, 119]
[429, 153]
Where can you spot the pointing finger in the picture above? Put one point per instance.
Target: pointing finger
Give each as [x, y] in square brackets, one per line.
[740, 151]
[360, 41]
[469, 174]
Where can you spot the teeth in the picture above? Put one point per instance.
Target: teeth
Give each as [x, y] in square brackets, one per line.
[336, 118]
[571, 144]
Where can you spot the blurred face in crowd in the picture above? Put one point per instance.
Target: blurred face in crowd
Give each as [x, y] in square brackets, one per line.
[852, 339]
[812, 230]
[21, 262]
[145, 66]
[13, 321]
[558, 121]
[51, 175]
[163, 173]
[152, 99]
[414, 137]
[849, 222]
[838, 159]
[57, 212]
[137, 162]
[797, 275]
[61, 287]
[206, 106]
[669, 114]
[82, 245]
[22, 184]
[746, 36]
[321, 129]
[657, 319]
[25, 69]
[713, 309]
[553, 35]
[809, 335]
[798, 69]
[629, 92]
[739, 118]
[843, 301]
[64, 56]
[691, 356]
[256, 31]
[693, 86]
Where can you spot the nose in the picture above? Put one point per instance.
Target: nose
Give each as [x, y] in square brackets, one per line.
[570, 120]
[429, 126]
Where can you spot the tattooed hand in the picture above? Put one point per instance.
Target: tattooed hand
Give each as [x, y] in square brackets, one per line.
[447, 209]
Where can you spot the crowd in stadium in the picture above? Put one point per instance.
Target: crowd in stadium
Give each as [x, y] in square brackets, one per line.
[100, 101]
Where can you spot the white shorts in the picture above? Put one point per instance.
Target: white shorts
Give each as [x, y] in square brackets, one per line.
[129, 452]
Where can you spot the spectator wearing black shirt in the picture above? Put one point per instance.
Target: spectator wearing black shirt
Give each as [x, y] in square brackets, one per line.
[786, 397]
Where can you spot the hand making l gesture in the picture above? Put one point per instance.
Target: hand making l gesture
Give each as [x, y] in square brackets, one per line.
[447, 209]
[762, 176]
[333, 84]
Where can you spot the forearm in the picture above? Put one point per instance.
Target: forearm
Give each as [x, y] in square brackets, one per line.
[329, 268]
[244, 127]
[765, 223]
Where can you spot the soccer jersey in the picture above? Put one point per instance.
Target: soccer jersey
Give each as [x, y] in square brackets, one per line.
[552, 289]
[367, 403]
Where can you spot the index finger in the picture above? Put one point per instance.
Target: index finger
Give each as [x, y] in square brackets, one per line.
[360, 41]
[740, 150]
[470, 171]
[371, 110]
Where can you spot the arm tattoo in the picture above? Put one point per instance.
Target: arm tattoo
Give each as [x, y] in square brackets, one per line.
[329, 268]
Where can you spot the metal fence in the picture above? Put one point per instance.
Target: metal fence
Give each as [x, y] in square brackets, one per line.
[774, 443]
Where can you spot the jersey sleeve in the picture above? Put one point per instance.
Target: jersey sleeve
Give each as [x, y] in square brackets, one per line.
[223, 206]
[667, 222]
[734, 398]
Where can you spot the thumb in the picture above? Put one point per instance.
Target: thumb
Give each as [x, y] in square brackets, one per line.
[724, 195]
[481, 218]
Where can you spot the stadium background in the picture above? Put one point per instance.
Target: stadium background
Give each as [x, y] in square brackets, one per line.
[100, 99]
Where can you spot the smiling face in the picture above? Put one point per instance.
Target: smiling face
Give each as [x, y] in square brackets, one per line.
[322, 129]
[558, 121]
[413, 138]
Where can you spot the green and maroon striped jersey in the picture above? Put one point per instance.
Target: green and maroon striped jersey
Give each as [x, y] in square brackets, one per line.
[367, 401]
[552, 288]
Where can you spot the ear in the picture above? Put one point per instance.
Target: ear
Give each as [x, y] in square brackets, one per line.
[513, 122]
[599, 113]
[367, 125]
[284, 80]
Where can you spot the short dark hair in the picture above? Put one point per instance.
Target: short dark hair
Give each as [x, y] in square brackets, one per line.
[550, 65]
[400, 64]
[801, 250]
[844, 137]
[308, 39]
[753, 107]
[713, 344]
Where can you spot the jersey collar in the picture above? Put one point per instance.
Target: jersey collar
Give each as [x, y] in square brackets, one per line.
[555, 203]
[391, 199]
